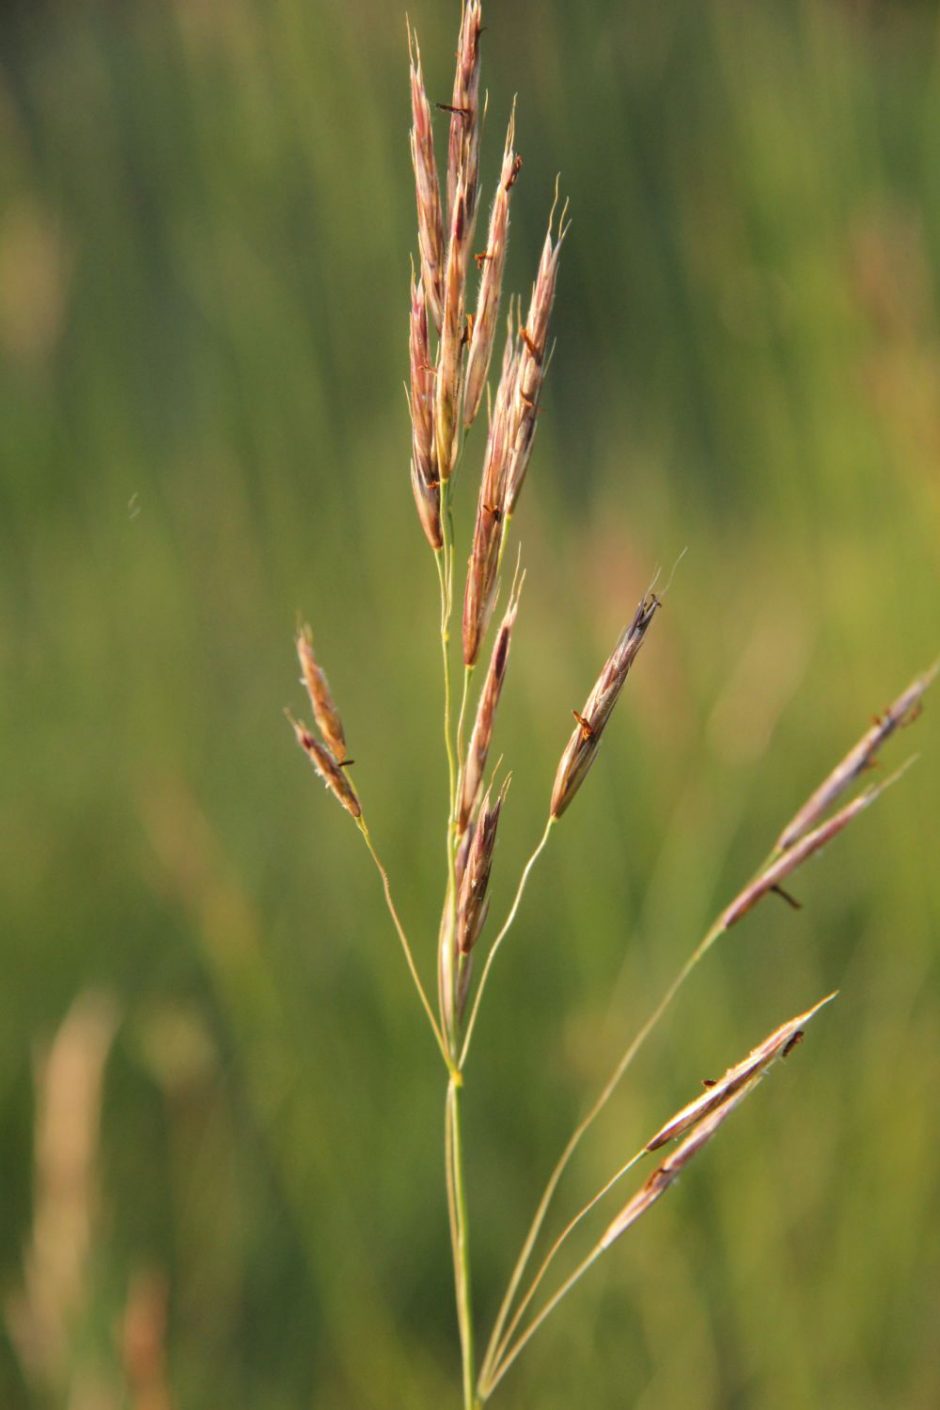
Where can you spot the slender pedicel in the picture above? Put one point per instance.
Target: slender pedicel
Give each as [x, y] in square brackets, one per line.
[646, 1196]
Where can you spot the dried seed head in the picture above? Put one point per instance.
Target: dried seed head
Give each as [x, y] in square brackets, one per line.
[463, 153]
[324, 711]
[533, 364]
[447, 390]
[582, 747]
[427, 187]
[472, 903]
[903, 711]
[777, 1044]
[784, 866]
[327, 767]
[479, 747]
[493, 262]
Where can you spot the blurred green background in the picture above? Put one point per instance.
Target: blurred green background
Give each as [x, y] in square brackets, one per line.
[220, 1116]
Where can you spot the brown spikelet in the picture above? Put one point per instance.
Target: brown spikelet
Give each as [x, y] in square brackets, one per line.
[479, 747]
[424, 477]
[582, 747]
[324, 711]
[701, 1124]
[667, 1173]
[772, 878]
[472, 901]
[449, 364]
[427, 186]
[328, 769]
[493, 261]
[777, 1044]
[463, 152]
[482, 574]
[859, 758]
[489, 527]
[533, 364]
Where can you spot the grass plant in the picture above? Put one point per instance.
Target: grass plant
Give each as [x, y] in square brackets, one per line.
[452, 337]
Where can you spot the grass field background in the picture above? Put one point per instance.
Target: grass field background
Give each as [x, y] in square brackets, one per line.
[205, 223]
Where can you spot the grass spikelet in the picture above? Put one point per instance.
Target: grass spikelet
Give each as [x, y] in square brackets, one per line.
[492, 261]
[581, 749]
[479, 747]
[427, 186]
[862, 756]
[327, 768]
[324, 711]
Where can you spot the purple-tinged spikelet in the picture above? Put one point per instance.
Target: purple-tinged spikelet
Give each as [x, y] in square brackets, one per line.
[450, 352]
[479, 747]
[861, 757]
[775, 1045]
[427, 187]
[533, 365]
[472, 901]
[328, 768]
[582, 747]
[795, 856]
[463, 153]
[424, 477]
[324, 710]
[492, 261]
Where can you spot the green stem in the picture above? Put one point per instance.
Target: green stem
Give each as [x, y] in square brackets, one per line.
[446, 978]
[461, 1243]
